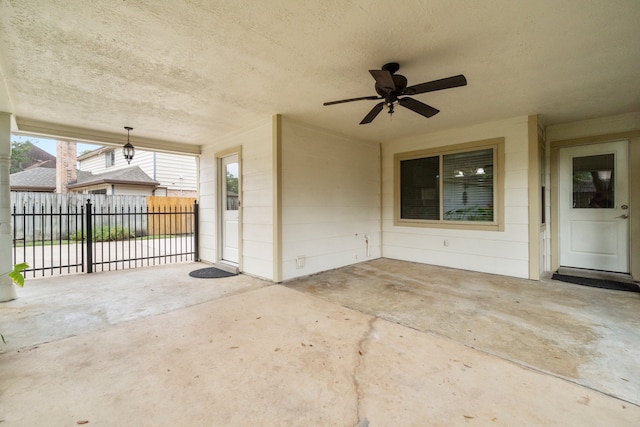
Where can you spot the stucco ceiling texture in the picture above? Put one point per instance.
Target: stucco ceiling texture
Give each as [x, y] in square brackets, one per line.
[189, 71]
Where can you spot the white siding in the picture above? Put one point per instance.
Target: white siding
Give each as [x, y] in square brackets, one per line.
[601, 126]
[208, 206]
[257, 199]
[330, 200]
[132, 190]
[500, 252]
[174, 171]
[94, 164]
[120, 189]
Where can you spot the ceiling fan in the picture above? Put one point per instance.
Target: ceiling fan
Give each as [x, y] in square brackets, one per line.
[391, 86]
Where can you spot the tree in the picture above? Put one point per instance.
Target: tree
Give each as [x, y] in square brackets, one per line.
[20, 155]
[232, 183]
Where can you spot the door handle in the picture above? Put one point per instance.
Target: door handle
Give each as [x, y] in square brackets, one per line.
[623, 216]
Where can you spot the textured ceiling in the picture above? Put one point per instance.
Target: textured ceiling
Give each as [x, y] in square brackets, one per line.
[189, 71]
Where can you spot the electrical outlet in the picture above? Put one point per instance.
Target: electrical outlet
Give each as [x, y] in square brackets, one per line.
[445, 243]
[300, 261]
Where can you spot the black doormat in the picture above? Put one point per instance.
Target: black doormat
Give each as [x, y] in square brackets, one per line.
[210, 273]
[597, 283]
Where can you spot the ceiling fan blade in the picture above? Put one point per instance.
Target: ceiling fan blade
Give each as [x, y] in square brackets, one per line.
[384, 79]
[373, 113]
[418, 107]
[432, 86]
[352, 99]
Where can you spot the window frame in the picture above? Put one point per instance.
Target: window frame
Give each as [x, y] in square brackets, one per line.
[497, 144]
[110, 158]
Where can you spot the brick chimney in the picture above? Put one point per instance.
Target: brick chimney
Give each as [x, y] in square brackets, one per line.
[66, 165]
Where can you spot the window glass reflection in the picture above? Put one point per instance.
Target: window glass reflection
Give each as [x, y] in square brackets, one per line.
[593, 181]
[232, 186]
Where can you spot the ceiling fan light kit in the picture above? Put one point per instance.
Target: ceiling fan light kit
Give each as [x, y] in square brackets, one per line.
[390, 87]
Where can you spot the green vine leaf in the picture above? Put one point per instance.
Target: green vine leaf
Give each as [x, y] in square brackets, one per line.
[16, 274]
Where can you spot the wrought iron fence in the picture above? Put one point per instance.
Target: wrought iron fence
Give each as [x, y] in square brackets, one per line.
[41, 238]
[73, 237]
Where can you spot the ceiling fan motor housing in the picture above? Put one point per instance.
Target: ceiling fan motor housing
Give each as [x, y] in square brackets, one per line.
[400, 83]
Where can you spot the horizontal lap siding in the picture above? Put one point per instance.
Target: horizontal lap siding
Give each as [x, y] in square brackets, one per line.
[257, 199]
[171, 167]
[330, 200]
[501, 252]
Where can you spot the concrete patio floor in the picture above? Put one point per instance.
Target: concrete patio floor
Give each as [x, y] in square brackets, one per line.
[375, 344]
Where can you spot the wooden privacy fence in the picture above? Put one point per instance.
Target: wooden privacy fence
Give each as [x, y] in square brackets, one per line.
[50, 216]
[166, 215]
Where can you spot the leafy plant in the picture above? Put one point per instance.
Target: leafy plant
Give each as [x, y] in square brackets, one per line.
[105, 234]
[475, 213]
[16, 274]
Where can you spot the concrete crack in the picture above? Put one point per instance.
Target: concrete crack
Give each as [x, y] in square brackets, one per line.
[361, 346]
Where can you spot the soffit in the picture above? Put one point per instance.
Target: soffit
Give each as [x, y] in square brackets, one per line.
[192, 71]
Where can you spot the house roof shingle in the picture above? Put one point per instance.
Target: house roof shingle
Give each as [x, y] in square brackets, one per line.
[44, 179]
[132, 175]
[38, 178]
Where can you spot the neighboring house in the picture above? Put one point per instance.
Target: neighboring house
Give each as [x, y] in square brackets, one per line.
[66, 178]
[176, 175]
[127, 181]
[130, 181]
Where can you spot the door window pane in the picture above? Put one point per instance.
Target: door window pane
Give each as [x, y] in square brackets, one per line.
[593, 181]
[232, 186]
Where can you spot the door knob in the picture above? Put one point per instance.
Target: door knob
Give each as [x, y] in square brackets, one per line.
[623, 216]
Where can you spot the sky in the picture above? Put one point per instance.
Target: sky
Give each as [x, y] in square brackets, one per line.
[49, 145]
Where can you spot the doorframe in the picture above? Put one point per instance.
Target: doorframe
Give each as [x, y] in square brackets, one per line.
[237, 150]
[634, 193]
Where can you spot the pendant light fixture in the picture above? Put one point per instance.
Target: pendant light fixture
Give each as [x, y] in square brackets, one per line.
[128, 151]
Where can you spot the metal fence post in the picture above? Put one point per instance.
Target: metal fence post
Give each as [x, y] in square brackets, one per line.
[196, 232]
[89, 239]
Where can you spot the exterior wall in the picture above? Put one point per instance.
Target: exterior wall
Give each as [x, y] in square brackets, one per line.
[500, 252]
[257, 209]
[88, 190]
[330, 200]
[603, 129]
[177, 193]
[176, 172]
[120, 190]
[208, 203]
[132, 190]
[95, 163]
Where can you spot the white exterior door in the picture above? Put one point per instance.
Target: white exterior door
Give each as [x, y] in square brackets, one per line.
[594, 207]
[230, 202]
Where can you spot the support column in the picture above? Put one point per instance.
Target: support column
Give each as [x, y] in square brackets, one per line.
[7, 289]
